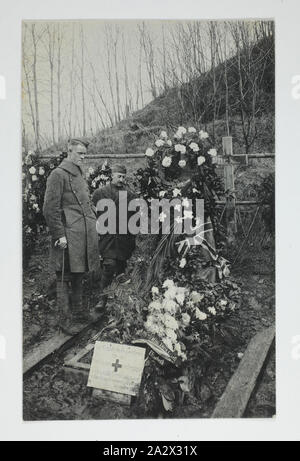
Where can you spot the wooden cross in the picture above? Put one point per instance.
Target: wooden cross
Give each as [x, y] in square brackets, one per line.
[116, 365]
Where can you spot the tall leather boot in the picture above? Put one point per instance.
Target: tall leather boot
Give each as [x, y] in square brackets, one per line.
[65, 314]
[79, 311]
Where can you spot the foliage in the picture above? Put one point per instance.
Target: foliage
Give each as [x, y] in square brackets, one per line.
[34, 176]
[99, 176]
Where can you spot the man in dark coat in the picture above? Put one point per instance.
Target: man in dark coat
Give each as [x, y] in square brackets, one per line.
[72, 224]
[115, 247]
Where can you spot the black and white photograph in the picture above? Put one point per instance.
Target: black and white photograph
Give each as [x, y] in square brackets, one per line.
[148, 209]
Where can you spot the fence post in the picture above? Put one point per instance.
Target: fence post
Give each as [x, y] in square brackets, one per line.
[229, 189]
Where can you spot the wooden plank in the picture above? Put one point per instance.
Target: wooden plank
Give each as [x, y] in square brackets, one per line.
[123, 399]
[235, 398]
[96, 156]
[57, 344]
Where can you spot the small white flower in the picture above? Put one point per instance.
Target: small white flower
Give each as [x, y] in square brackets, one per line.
[180, 148]
[91, 170]
[203, 134]
[194, 147]
[185, 318]
[170, 322]
[185, 203]
[196, 297]
[188, 214]
[200, 160]
[182, 163]
[169, 305]
[181, 129]
[212, 310]
[178, 135]
[200, 315]
[149, 152]
[41, 171]
[154, 306]
[155, 291]
[176, 192]
[170, 293]
[177, 207]
[195, 190]
[182, 263]
[212, 152]
[162, 193]
[168, 283]
[191, 129]
[171, 335]
[180, 298]
[166, 162]
[32, 170]
[35, 206]
[162, 216]
[163, 134]
[240, 355]
[159, 142]
[169, 142]
[34, 178]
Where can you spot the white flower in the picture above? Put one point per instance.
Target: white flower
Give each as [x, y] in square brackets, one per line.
[149, 152]
[170, 322]
[34, 178]
[212, 152]
[178, 208]
[169, 305]
[170, 293]
[188, 214]
[195, 190]
[169, 142]
[194, 147]
[166, 162]
[191, 129]
[185, 318]
[33, 197]
[32, 170]
[182, 163]
[41, 171]
[168, 343]
[203, 134]
[177, 348]
[163, 134]
[162, 216]
[155, 291]
[223, 302]
[180, 148]
[162, 193]
[181, 130]
[176, 192]
[35, 206]
[180, 298]
[200, 315]
[159, 142]
[168, 284]
[185, 203]
[154, 306]
[91, 170]
[196, 297]
[182, 263]
[200, 160]
[171, 335]
[212, 310]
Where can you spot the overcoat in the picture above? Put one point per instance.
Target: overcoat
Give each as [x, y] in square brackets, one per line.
[68, 212]
[114, 246]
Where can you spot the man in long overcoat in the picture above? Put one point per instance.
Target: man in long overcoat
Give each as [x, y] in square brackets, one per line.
[72, 224]
[115, 247]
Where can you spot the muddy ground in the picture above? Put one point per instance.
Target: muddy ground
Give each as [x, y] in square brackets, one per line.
[48, 395]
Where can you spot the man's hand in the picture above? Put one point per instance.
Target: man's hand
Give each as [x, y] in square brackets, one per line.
[61, 243]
